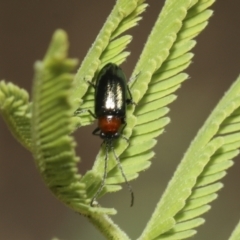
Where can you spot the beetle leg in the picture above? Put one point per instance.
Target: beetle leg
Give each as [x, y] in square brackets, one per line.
[93, 115]
[132, 79]
[91, 84]
[121, 135]
[104, 177]
[130, 99]
[95, 131]
[80, 111]
[123, 174]
[125, 124]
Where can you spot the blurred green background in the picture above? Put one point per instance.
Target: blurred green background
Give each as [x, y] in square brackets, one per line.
[28, 211]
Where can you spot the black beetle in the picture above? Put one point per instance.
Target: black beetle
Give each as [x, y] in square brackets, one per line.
[112, 94]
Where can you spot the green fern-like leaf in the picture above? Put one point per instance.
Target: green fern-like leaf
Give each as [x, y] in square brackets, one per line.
[51, 117]
[16, 110]
[153, 88]
[196, 181]
[236, 233]
[109, 46]
[158, 74]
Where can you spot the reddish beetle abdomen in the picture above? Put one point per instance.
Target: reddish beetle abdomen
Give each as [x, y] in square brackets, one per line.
[109, 124]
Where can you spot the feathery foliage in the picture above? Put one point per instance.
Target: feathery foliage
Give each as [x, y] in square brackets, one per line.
[55, 100]
[44, 126]
[109, 46]
[51, 117]
[16, 110]
[52, 147]
[194, 184]
[236, 233]
[196, 180]
[154, 86]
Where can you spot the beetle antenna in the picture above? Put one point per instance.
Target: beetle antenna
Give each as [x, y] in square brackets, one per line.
[104, 176]
[123, 174]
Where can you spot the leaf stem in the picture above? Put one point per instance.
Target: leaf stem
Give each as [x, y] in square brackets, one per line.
[107, 227]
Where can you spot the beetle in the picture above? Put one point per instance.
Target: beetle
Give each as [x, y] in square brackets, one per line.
[112, 94]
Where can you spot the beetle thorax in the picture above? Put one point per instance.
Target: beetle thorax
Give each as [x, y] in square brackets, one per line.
[109, 126]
